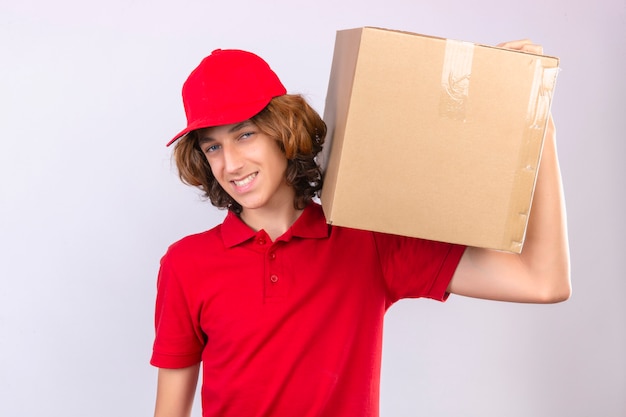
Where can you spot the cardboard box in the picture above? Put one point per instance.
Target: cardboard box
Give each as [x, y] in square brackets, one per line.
[434, 138]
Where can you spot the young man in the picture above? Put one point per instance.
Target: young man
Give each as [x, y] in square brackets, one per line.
[284, 311]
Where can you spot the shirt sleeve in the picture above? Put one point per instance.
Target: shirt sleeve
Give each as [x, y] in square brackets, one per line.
[415, 268]
[179, 340]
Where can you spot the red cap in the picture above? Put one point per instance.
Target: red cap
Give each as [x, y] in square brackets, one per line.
[229, 86]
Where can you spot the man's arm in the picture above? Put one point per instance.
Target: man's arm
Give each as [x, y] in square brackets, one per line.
[175, 391]
[541, 273]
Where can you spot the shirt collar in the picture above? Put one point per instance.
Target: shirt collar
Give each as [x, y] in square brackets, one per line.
[311, 224]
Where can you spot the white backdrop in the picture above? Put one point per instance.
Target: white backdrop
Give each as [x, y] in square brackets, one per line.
[89, 95]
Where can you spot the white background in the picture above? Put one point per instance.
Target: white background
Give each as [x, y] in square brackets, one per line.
[89, 201]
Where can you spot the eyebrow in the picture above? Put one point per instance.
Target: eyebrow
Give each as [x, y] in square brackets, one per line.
[234, 128]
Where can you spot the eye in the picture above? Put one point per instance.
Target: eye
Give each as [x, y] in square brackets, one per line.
[246, 135]
[211, 148]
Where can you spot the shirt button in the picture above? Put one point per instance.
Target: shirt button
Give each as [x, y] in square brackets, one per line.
[261, 241]
[274, 278]
[272, 256]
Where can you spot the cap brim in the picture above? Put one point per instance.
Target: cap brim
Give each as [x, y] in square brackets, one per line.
[181, 134]
[243, 112]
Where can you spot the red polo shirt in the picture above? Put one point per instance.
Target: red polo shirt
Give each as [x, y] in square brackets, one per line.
[291, 327]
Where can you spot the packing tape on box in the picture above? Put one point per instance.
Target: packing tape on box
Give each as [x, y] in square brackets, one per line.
[541, 95]
[539, 102]
[455, 79]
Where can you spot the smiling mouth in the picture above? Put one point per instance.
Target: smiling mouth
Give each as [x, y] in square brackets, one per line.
[247, 180]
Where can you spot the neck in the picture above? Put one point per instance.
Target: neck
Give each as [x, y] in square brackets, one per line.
[274, 221]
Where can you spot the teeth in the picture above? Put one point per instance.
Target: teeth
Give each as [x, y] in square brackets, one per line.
[245, 181]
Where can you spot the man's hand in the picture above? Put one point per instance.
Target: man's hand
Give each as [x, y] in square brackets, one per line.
[524, 45]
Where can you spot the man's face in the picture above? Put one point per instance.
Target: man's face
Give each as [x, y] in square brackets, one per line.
[248, 164]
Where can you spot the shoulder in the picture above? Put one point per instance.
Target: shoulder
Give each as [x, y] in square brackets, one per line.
[401, 247]
[356, 235]
[195, 244]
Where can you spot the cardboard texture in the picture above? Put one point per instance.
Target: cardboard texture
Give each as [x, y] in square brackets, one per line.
[434, 138]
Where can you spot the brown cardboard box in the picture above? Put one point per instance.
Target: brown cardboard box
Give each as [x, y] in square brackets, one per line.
[434, 138]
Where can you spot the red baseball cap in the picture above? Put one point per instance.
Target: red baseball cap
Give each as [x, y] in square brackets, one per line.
[229, 86]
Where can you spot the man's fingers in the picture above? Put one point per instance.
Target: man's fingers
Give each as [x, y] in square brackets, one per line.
[525, 45]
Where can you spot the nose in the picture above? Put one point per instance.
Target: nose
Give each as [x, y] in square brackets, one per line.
[232, 159]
